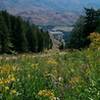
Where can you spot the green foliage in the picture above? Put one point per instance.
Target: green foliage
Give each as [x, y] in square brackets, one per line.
[83, 27]
[95, 40]
[77, 38]
[20, 36]
[56, 76]
[4, 36]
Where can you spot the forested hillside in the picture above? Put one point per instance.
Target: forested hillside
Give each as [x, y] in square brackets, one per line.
[16, 35]
[35, 61]
[84, 26]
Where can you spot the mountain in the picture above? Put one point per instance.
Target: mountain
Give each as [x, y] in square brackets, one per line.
[48, 12]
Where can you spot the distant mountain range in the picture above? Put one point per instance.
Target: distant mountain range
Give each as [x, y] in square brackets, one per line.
[48, 12]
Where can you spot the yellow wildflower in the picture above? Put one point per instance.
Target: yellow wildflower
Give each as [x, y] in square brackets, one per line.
[95, 40]
[6, 88]
[13, 79]
[1, 82]
[13, 92]
[46, 93]
[7, 80]
[74, 80]
[6, 69]
[52, 62]
[34, 66]
[54, 98]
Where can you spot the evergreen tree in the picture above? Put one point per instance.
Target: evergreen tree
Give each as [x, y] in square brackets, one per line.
[98, 21]
[77, 37]
[4, 36]
[48, 41]
[90, 23]
[31, 37]
[84, 26]
[40, 40]
[21, 36]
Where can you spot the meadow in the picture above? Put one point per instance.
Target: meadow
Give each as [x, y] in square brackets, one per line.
[57, 76]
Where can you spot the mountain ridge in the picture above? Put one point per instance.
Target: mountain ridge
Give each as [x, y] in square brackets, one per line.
[63, 12]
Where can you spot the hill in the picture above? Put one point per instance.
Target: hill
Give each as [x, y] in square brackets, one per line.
[17, 35]
[63, 12]
[53, 76]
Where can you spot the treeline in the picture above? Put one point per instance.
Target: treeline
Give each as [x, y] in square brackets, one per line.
[17, 35]
[85, 25]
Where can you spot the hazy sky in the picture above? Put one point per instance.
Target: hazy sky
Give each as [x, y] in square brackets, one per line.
[73, 5]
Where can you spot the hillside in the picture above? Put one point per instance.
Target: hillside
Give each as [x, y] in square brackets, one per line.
[63, 12]
[53, 76]
[17, 35]
[49, 50]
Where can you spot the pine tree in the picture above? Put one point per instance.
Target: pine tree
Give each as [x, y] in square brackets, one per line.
[20, 36]
[90, 20]
[77, 37]
[31, 37]
[88, 24]
[20, 41]
[4, 36]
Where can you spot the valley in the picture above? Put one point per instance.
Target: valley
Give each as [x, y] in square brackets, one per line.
[49, 49]
[59, 34]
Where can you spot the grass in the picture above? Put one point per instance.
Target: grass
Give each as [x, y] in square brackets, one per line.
[59, 76]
